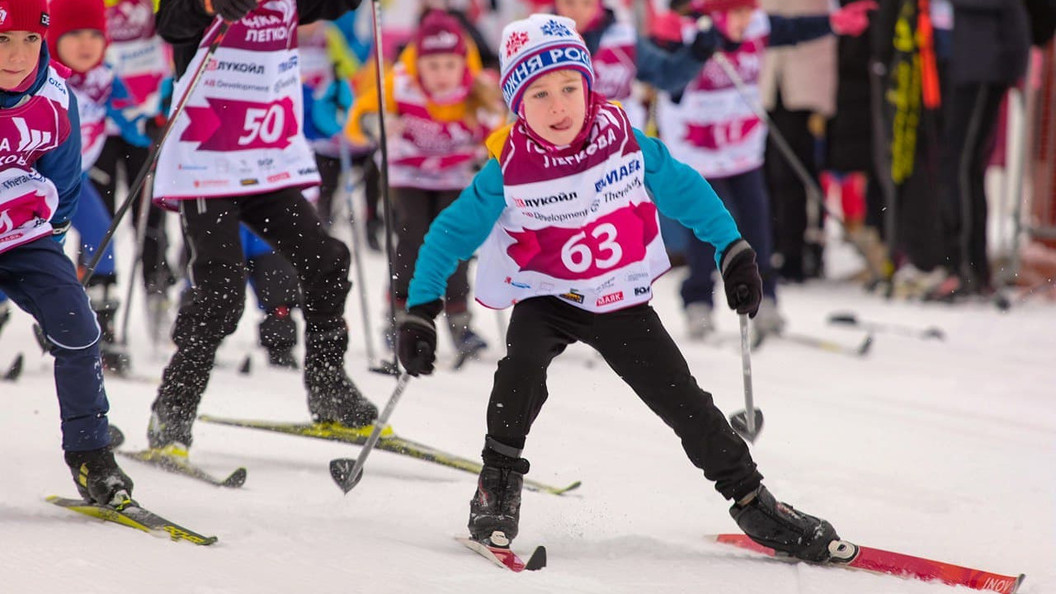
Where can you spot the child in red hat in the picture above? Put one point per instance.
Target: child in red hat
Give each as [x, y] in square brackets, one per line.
[77, 39]
[40, 181]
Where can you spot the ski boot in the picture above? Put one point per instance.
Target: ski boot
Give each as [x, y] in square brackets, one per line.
[114, 355]
[468, 343]
[779, 526]
[278, 335]
[494, 511]
[169, 432]
[332, 397]
[97, 476]
[698, 320]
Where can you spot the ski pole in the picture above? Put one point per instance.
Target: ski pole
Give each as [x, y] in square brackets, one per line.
[347, 472]
[749, 422]
[368, 333]
[141, 238]
[387, 367]
[137, 186]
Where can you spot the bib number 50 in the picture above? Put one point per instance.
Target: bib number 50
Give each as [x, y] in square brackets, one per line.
[264, 126]
[605, 252]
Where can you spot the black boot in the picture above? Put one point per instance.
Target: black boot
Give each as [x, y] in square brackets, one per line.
[278, 334]
[332, 397]
[779, 526]
[97, 475]
[495, 510]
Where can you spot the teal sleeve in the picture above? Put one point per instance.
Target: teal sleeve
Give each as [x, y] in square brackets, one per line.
[456, 233]
[683, 194]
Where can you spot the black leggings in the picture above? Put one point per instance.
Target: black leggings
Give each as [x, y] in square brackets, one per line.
[638, 348]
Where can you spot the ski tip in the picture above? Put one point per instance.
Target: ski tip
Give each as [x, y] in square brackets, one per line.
[15, 370]
[1019, 582]
[538, 559]
[247, 365]
[571, 487]
[236, 479]
[935, 332]
[843, 318]
[117, 437]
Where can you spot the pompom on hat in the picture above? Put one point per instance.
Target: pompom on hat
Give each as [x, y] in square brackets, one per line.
[440, 33]
[24, 15]
[537, 45]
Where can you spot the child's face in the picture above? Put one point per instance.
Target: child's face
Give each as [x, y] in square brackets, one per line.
[441, 74]
[737, 21]
[555, 106]
[581, 11]
[81, 50]
[19, 54]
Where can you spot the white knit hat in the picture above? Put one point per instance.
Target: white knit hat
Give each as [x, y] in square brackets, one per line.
[536, 45]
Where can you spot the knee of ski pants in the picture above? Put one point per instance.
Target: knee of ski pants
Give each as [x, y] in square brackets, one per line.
[326, 286]
[68, 320]
[213, 313]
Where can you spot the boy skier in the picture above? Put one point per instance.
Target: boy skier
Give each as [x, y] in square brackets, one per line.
[40, 179]
[566, 211]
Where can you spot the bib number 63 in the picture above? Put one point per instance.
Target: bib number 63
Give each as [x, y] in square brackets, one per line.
[579, 254]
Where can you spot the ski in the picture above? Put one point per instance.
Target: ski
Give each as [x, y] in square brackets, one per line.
[131, 514]
[180, 465]
[850, 320]
[389, 442]
[853, 556]
[14, 371]
[505, 557]
[826, 345]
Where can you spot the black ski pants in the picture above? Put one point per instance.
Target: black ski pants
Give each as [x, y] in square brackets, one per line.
[638, 348]
[218, 279]
[415, 210]
[118, 155]
[972, 119]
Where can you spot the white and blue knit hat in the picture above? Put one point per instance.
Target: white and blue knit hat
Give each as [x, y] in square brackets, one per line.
[536, 45]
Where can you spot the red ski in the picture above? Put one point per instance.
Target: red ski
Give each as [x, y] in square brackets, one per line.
[897, 564]
[505, 557]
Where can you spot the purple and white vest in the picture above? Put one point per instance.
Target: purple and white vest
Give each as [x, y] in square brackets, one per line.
[241, 131]
[713, 129]
[138, 56]
[427, 153]
[577, 224]
[28, 199]
[92, 90]
[615, 70]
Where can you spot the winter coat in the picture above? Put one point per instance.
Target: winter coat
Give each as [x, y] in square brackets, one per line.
[849, 133]
[804, 74]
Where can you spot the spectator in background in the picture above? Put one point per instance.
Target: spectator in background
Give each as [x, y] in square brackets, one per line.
[796, 84]
[991, 44]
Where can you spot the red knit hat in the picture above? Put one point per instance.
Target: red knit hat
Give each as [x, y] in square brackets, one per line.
[74, 15]
[711, 6]
[440, 33]
[24, 15]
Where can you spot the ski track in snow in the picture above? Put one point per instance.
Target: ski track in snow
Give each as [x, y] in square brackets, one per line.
[940, 449]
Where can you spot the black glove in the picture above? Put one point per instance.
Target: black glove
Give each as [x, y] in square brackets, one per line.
[231, 10]
[710, 40]
[740, 277]
[416, 337]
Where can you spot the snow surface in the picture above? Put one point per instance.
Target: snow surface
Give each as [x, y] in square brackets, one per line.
[940, 449]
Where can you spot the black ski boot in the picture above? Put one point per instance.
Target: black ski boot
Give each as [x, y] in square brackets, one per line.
[332, 397]
[495, 510]
[779, 526]
[169, 431]
[97, 476]
[278, 334]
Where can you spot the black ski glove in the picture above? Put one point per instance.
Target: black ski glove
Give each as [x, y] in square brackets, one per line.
[416, 337]
[710, 40]
[230, 10]
[740, 277]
